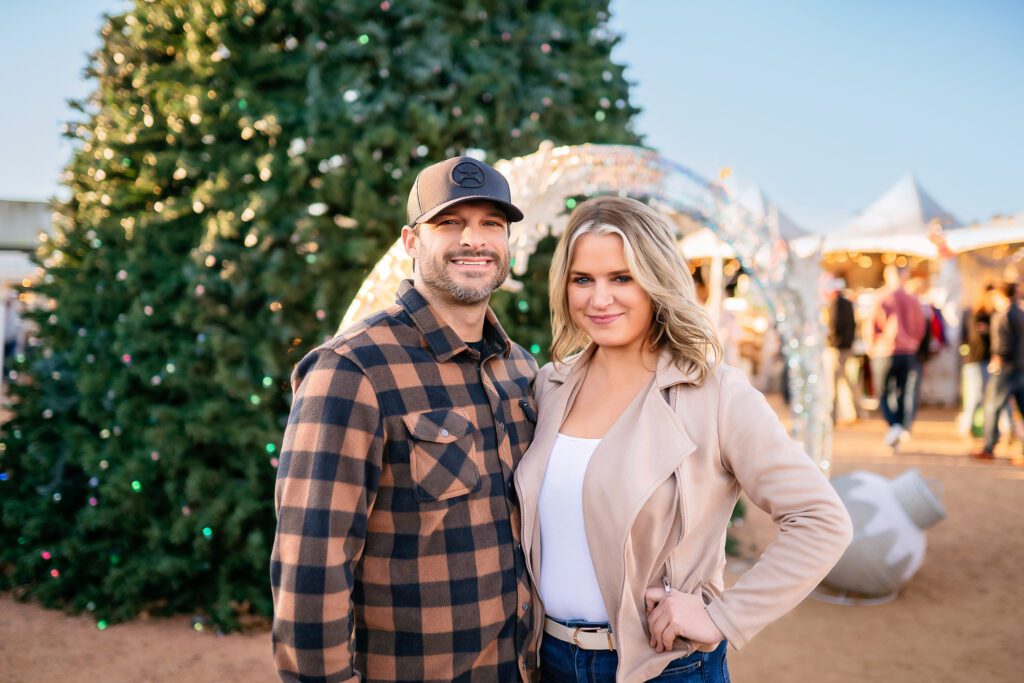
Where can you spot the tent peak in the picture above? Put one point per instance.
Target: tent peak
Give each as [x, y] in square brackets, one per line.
[904, 209]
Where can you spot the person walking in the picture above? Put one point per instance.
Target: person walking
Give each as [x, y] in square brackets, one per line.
[976, 349]
[643, 444]
[1006, 367]
[895, 331]
[839, 356]
[397, 553]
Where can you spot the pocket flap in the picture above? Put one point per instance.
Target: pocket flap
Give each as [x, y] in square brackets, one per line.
[439, 426]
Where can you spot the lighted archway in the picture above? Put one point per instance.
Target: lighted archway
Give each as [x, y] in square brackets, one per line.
[542, 181]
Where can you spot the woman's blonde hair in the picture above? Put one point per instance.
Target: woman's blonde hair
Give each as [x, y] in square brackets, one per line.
[679, 324]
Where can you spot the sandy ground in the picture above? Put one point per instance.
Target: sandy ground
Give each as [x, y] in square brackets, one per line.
[960, 618]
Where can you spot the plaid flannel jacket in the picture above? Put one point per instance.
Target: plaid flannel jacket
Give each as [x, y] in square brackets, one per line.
[397, 555]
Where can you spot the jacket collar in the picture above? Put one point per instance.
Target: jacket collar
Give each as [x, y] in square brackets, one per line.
[667, 375]
[440, 338]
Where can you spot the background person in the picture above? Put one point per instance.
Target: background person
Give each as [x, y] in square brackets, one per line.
[841, 362]
[976, 349]
[1006, 366]
[895, 331]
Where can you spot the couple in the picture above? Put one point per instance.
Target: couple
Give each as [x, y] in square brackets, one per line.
[448, 513]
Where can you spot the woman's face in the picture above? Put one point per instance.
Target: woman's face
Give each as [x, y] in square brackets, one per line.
[604, 299]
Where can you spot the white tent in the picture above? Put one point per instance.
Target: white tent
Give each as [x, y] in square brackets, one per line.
[900, 221]
[704, 243]
[995, 231]
[766, 210]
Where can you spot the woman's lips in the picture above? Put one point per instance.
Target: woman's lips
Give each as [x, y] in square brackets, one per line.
[604, 319]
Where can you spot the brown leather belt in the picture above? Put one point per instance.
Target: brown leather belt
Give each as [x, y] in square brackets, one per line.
[583, 637]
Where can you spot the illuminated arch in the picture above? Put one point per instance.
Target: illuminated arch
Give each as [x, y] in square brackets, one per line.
[542, 181]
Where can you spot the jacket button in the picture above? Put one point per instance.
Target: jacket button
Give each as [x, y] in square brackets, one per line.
[444, 432]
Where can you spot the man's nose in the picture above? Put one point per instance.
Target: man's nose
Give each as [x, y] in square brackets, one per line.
[473, 236]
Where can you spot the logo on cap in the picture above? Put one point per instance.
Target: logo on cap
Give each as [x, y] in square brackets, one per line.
[468, 175]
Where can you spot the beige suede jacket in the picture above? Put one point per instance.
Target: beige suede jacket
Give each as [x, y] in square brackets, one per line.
[658, 494]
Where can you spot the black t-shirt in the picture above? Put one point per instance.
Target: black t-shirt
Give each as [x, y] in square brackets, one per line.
[844, 325]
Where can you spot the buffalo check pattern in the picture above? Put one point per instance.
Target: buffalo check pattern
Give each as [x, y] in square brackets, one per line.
[397, 555]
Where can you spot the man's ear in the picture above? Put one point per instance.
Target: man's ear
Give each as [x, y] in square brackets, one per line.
[410, 240]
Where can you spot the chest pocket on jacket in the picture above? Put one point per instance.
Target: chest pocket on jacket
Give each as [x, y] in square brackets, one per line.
[443, 454]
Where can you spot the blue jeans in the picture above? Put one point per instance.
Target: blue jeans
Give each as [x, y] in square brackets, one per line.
[1001, 387]
[562, 662]
[897, 379]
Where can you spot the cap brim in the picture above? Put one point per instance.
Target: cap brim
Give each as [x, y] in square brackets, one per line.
[512, 213]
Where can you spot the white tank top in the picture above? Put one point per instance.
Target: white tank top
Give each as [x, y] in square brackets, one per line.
[568, 584]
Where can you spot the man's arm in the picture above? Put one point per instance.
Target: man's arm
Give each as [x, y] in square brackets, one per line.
[326, 484]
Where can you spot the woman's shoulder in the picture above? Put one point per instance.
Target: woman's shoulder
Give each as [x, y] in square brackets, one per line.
[719, 377]
[554, 372]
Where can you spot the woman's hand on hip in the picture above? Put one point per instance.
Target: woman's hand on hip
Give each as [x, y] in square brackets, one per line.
[678, 615]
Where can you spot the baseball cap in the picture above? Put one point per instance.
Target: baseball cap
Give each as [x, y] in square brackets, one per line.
[457, 180]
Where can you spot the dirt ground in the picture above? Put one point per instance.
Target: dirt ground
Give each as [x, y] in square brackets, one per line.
[960, 618]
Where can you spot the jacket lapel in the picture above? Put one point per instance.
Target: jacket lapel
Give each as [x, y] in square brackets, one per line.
[640, 452]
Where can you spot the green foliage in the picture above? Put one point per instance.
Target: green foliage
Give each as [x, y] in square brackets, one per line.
[238, 170]
[525, 314]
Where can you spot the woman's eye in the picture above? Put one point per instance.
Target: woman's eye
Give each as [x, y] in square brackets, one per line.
[580, 280]
[624, 278]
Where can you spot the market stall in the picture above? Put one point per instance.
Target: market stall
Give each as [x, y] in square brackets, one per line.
[905, 227]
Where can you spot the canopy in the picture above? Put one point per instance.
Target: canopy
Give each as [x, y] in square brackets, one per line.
[902, 220]
[998, 230]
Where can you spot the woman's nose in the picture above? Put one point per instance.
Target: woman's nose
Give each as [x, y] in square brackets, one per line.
[602, 295]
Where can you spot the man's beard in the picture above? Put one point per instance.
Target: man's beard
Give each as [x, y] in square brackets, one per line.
[434, 272]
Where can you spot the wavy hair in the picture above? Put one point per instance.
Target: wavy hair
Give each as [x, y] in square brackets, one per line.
[679, 323]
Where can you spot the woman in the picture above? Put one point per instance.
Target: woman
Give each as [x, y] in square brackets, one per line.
[641, 449]
[976, 348]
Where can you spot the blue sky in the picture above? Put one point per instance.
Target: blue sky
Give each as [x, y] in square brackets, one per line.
[822, 104]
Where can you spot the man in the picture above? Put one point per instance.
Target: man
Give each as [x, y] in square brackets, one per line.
[894, 336]
[1006, 365]
[397, 555]
[839, 355]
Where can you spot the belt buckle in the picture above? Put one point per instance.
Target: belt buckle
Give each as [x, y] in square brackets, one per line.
[590, 629]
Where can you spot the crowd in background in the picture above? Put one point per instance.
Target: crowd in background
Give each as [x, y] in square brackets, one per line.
[879, 362]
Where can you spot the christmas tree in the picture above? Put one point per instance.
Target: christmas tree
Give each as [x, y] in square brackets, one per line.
[238, 170]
